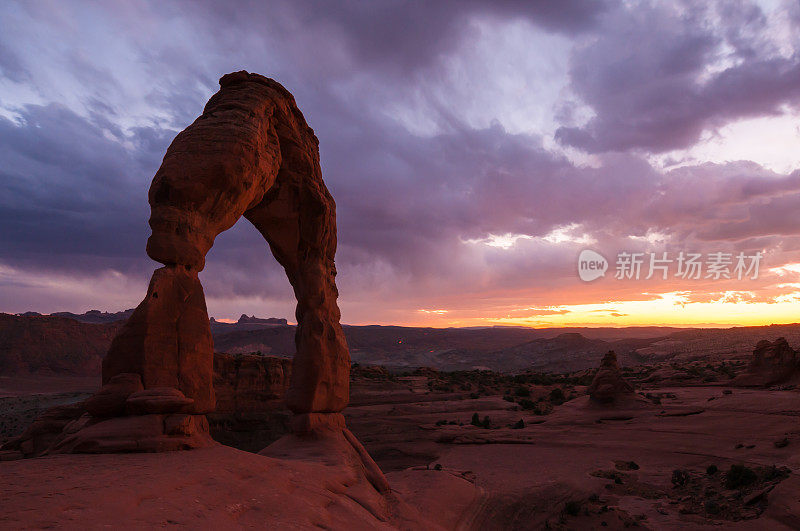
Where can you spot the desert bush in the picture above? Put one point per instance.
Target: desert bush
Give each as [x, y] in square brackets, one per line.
[739, 476]
[572, 508]
[518, 425]
[680, 478]
[522, 391]
[713, 507]
[526, 403]
[711, 470]
[557, 396]
[476, 420]
[774, 472]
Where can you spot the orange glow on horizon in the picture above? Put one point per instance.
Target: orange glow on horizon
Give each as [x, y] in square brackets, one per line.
[669, 309]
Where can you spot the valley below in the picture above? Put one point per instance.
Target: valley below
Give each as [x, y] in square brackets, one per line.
[474, 429]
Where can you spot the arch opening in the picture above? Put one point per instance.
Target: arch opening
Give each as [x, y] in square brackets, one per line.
[252, 155]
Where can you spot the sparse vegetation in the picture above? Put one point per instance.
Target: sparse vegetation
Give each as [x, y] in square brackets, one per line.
[476, 420]
[739, 476]
[573, 507]
[557, 396]
[680, 478]
[527, 404]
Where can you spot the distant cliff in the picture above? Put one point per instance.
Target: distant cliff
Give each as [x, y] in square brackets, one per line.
[45, 344]
[252, 319]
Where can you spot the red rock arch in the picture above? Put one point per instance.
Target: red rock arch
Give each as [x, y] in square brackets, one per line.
[249, 154]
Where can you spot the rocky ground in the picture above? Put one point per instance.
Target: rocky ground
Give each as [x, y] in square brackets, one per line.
[22, 399]
[668, 459]
[470, 450]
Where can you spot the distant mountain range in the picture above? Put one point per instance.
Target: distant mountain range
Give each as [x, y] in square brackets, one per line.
[92, 316]
[67, 343]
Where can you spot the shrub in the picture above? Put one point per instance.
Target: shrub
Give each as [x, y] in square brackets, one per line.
[739, 476]
[527, 404]
[476, 420]
[487, 422]
[557, 396]
[572, 508]
[631, 465]
[522, 391]
[518, 425]
[713, 507]
[711, 470]
[441, 422]
[774, 472]
[680, 478]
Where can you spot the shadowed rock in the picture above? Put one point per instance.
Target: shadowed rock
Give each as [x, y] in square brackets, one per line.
[772, 363]
[167, 340]
[608, 385]
[110, 400]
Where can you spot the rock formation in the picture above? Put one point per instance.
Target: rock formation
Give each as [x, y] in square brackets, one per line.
[250, 411]
[608, 385]
[55, 345]
[249, 154]
[250, 391]
[772, 363]
[252, 319]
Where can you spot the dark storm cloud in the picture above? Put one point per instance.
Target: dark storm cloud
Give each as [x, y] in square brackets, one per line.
[65, 191]
[645, 75]
[73, 182]
[400, 35]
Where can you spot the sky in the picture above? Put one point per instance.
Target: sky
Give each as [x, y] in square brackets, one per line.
[474, 150]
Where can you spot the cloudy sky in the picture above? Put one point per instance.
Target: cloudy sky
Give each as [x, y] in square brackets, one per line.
[474, 149]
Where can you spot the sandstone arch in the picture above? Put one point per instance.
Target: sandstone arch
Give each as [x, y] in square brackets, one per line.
[250, 154]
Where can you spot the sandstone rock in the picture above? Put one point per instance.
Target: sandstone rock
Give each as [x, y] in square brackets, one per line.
[45, 430]
[167, 340]
[37, 343]
[251, 412]
[333, 447]
[252, 319]
[138, 433]
[158, 400]
[250, 154]
[249, 383]
[264, 166]
[608, 385]
[772, 363]
[312, 423]
[109, 401]
[183, 424]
